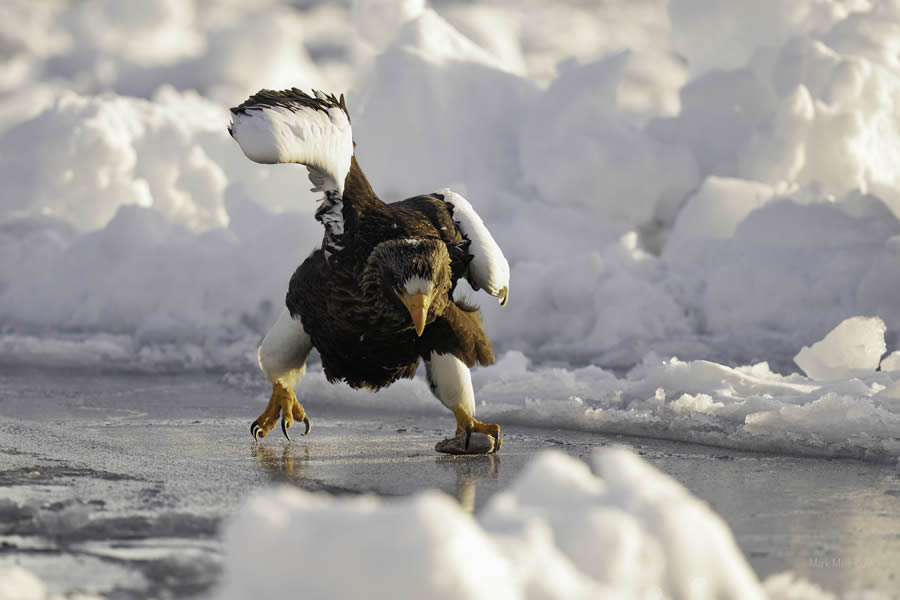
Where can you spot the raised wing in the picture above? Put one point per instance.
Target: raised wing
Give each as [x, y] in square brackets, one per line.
[290, 126]
[489, 269]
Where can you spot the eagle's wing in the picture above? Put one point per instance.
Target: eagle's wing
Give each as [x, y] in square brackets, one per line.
[290, 126]
[489, 269]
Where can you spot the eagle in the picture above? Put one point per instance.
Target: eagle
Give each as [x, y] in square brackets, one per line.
[377, 297]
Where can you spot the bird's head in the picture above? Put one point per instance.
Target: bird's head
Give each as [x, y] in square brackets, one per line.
[415, 273]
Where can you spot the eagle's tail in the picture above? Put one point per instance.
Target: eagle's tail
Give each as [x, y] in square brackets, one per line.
[290, 126]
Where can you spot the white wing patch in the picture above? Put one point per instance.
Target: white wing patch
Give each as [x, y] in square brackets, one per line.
[489, 269]
[319, 138]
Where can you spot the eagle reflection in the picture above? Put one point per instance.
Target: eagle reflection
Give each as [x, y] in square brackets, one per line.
[281, 466]
[469, 470]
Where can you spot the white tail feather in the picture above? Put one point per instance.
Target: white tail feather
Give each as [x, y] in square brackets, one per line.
[292, 127]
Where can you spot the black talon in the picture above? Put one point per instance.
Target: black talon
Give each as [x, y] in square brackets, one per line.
[284, 431]
[468, 436]
[254, 430]
[308, 426]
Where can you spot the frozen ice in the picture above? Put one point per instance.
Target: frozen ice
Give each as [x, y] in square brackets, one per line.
[853, 347]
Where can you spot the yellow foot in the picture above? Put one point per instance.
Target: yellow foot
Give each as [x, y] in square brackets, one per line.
[468, 424]
[283, 402]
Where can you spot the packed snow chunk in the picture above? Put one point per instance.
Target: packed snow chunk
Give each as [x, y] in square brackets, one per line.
[841, 421]
[630, 528]
[836, 122]
[221, 48]
[725, 34]
[577, 150]
[86, 156]
[609, 303]
[558, 533]
[891, 362]
[714, 211]
[447, 110]
[702, 557]
[879, 287]
[871, 34]
[793, 269]
[17, 583]
[720, 112]
[378, 21]
[854, 347]
[420, 547]
[788, 586]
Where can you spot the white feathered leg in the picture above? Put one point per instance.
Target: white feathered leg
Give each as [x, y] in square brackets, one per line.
[282, 358]
[451, 382]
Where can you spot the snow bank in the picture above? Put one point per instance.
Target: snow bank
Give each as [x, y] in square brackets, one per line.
[627, 531]
[220, 48]
[17, 583]
[699, 401]
[852, 411]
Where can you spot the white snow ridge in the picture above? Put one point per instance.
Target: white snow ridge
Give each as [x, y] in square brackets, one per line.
[559, 532]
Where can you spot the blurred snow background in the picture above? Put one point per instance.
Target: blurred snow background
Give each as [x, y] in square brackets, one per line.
[712, 181]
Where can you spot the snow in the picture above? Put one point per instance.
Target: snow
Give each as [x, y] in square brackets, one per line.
[854, 347]
[727, 203]
[17, 583]
[560, 531]
[689, 195]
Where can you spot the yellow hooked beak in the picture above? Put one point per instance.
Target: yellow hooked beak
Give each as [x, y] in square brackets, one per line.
[417, 305]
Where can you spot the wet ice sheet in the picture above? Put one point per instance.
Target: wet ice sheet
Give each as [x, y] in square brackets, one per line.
[169, 457]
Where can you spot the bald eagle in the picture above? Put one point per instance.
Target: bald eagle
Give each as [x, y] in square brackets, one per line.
[377, 296]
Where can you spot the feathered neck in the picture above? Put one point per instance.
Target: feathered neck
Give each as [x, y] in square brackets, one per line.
[356, 186]
[340, 213]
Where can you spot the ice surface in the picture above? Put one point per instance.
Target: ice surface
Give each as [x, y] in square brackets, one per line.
[560, 531]
[666, 180]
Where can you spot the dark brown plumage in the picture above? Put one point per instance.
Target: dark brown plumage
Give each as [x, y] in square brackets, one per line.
[377, 296]
[347, 304]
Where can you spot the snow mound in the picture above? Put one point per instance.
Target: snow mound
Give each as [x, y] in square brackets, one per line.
[219, 48]
[558, 532]
[17, 583]
[853, 347]
[749, 408]
[85, 156]
[433, 97]
[578, 150]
